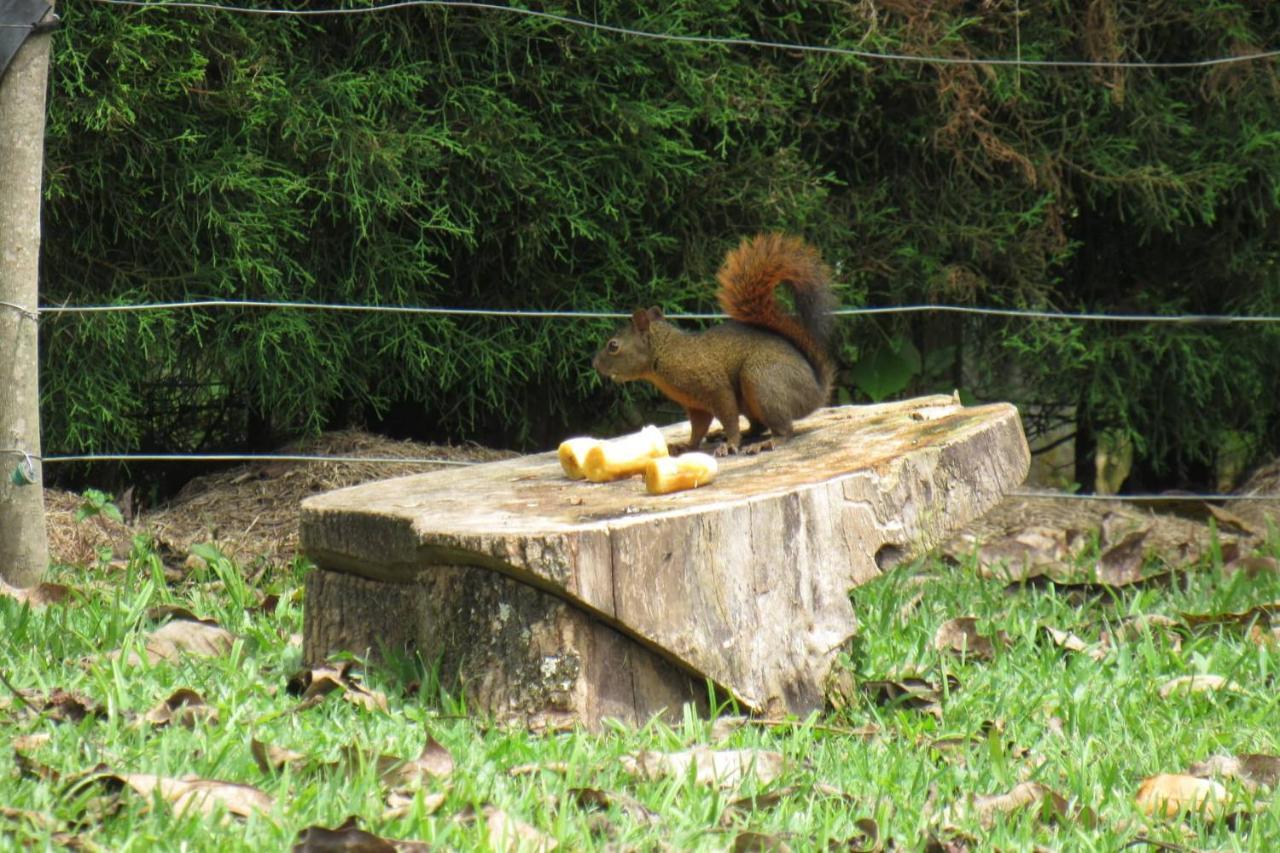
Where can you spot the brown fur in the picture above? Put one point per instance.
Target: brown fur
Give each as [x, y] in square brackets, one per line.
[768, 364]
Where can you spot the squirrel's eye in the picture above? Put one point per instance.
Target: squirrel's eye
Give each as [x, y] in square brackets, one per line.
[615, 345]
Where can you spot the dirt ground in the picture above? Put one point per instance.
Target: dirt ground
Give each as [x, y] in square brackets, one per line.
[251, 512]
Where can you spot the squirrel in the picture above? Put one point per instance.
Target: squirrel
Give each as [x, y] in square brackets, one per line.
[766, 363]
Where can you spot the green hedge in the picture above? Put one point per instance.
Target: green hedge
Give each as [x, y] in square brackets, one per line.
[472, 158]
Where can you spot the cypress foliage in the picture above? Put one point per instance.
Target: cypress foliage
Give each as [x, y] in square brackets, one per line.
[472, 158]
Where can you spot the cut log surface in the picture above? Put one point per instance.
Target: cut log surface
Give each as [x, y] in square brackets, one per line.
[745, 582]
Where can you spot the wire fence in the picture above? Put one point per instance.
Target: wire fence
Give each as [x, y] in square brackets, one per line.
[34, 313]
[556, 314]
[722, 41]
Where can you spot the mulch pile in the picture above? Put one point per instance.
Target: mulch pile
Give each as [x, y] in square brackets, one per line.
[249, 512]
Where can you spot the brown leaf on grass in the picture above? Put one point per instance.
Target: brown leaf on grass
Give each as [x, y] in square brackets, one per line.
[1267, 615]
[1253, 770]
[748, 806]
[866, 841]
[1121, 564]
[960, 636]
[1197, 684]
[30, 742]
[1115, 526]
[38, 820]
[1171, 794]
[1050, 805]
[594, 798]
[509, 833]
[163, 612]
[314, 684]
[759, 842]
[1131, 628]
[59, 705]
[909, 692]
[434, 762]
[723, 768]
[184, 707]
[1227, 519]
[725, 726]
[28, 766]
[350, 838]
[267, 606]
[182, 636]
[532, 768]
[273, 759]
[400, 803]
[203, 795]
[1251, 566]
[36, 596]
[1028, 553]
[1072, 643]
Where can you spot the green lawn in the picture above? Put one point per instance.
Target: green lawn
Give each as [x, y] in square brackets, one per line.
[1090, 727]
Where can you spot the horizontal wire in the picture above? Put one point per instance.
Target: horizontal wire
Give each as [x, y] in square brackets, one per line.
[24, 311]
[1186, 319]
[700, 39]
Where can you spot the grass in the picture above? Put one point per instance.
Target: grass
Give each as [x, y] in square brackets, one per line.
[1090, 730]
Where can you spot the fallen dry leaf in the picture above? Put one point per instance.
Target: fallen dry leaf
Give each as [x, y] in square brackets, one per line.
[960, 636]
[203, 795]
[1253, 770]
[1141, 625]
[759, 842]
[59, 706]
[909, 692]
[30, 742]
[508, 833]
[1072, 643]
[1251, 567]
[163, 612]
[633, 809]
[351, 838]
[434, 762]
[727, 725]
[560, 767]
[1051, 805]
[1197, 684]
[1228, 519]
[182, 636]
[184, 707]
[724, 768]
[400, 803]
[1121, 564]
[753, 805]
[1028, 553]
[1171, 794]
[36, 596]
[313, 684]
[273, 759]
[1267, 615]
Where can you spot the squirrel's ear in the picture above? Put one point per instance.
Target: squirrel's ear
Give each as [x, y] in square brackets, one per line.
[655, 313]
[640, 320]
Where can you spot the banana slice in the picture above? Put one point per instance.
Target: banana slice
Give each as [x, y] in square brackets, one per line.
[573, 453]
[676, 473]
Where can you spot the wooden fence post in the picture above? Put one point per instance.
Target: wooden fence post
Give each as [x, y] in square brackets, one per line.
[24, 548]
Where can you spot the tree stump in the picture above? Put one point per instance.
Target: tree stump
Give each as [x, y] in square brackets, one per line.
[568, 601]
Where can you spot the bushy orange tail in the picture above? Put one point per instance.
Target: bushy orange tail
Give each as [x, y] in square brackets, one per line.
[752, 272]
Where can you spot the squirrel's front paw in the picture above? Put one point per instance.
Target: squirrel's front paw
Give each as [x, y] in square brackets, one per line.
[726, 449]
[758, 447]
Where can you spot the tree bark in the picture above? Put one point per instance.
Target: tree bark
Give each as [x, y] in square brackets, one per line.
[24, 548]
